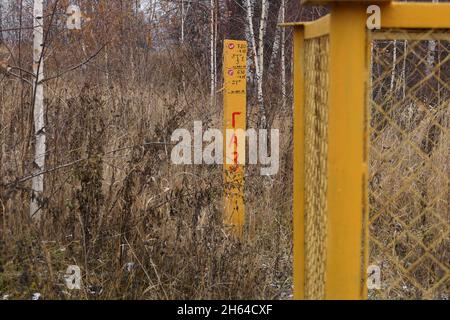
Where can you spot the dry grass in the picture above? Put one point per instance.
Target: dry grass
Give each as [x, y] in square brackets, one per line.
[409, 170]
[139, 227]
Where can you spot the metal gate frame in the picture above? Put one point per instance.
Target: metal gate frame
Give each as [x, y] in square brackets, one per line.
[347, 164]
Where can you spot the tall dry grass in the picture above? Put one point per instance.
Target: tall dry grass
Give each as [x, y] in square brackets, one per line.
[409, 171]
[137, 226]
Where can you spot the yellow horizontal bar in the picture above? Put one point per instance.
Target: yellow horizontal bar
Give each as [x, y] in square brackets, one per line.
[313, 29]
[316, 2]
[400, 15]
[415, 15]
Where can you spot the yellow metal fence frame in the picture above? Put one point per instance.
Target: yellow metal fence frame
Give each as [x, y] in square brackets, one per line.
[347, 190]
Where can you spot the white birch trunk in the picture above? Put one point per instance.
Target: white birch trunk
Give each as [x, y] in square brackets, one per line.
[213, 53]
[394, 63]
[276, 48]
[431, 56]
[260, 76]
[283, 54]
[182, 22]
[1, 20]
[216, 36]
[107, 79]
[431, 53]
[37, 184]
[405, 54]
[251, 33]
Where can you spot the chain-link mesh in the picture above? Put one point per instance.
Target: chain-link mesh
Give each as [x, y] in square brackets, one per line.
[316, 148]
[409, 164]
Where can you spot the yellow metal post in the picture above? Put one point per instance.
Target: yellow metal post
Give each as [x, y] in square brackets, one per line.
[347, 170]
[299, 164]
[235, 111]
[347, 159]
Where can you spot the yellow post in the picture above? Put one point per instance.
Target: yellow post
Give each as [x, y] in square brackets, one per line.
[347, 158]
[347, 170]
[235, 118]
[299, 164]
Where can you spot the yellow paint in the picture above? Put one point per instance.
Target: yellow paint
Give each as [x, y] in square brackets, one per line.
[299, 167]
[318, 28]
[347, 200]
[316, 2]
[410, 15]
[235, 109]
[313, 29]
[347, 166]
[415, 15]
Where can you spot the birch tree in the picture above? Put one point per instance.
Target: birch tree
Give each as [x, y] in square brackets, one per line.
[258, 53]
[37, 183]
[283, 54]
[405, 54]
[182, 22]
[213, 52]
[276, 48]
[279, 47]
[262, 32]
[216, 37]
[394, 64]
[1, 20]
[251, 35]
[431, 52]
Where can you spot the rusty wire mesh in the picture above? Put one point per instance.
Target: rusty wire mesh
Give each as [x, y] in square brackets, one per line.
[316, 147]
[409, 164]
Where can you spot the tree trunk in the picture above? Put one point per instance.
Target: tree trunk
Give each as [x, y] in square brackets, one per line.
[394, 64]
[431, 53]
[182, 22]
[251, 34]
[405, 54]
[213, 54]
[260, 74]
[283, 55]
[1, 21]
[38, 103]
[431, 56]
[272, 29]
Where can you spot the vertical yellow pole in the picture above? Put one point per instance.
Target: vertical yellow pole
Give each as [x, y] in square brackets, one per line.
[299, 166]
[235, 118]
[347, 163]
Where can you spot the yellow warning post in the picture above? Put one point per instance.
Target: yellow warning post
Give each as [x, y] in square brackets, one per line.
[235, 119]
